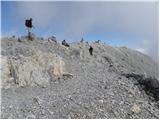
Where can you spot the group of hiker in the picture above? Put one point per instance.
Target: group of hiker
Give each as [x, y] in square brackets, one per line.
[29, 25]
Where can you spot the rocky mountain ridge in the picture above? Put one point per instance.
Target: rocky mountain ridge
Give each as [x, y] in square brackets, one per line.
[44, 79]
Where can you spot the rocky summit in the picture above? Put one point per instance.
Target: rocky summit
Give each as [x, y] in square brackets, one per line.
[44, 79]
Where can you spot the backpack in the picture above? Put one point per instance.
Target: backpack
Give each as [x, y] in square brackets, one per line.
[28, 23]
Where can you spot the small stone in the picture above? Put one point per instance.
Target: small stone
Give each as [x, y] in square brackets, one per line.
[101, 110]
[130, 95]
[119, 78]
[10, 106]
[122, 59]
[19, 40]
[31, 116]
[111, 65]
[43, 112]
[69, 116]
[135, 108]
[69, 96]
[101, 101]
[51, 112]
[37, 100]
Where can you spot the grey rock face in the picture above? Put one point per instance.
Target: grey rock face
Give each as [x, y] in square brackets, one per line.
[47, 80]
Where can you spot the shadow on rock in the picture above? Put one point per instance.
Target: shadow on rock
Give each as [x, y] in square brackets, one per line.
[149, 85]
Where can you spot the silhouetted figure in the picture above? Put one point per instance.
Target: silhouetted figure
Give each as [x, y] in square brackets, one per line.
[98, 41]
[28, 24]
[81, 40]
[65, 43]
[19, 40]
[91, 50]
[13, 36]
[87, 43]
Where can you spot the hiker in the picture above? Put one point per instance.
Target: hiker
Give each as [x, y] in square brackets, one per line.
[65, 43]
[19, 40]
[28, 24]
[91, 50]
[98, 41]
[87, 43]
[81, 40]
[13, 36]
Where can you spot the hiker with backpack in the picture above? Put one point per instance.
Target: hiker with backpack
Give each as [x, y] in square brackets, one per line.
[65, 43]
[28, 24]
[91, 50]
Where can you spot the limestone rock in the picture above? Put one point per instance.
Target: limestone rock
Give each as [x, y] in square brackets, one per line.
[52, 39]
[135, 108]
[34, 69]
[31, 116]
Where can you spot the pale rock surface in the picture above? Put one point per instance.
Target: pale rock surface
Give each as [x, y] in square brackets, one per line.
[32, 70]
[41, 79]
[135, 108]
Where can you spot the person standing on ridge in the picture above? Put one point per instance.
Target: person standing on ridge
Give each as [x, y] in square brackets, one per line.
[91, 50]
[28, 24]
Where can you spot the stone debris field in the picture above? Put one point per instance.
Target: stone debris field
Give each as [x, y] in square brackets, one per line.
[44, 79]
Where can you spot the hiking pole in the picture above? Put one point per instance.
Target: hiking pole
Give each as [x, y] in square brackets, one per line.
[33, 27]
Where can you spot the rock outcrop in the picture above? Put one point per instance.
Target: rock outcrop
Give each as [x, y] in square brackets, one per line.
[37, 69]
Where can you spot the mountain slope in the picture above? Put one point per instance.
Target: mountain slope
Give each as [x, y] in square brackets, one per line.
[113, 83]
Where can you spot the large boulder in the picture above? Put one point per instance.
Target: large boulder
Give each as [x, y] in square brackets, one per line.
[37, 69]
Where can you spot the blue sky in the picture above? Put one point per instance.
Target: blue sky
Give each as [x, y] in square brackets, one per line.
[131, 24]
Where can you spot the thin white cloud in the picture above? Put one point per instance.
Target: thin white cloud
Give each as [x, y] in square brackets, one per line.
[142, 50]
